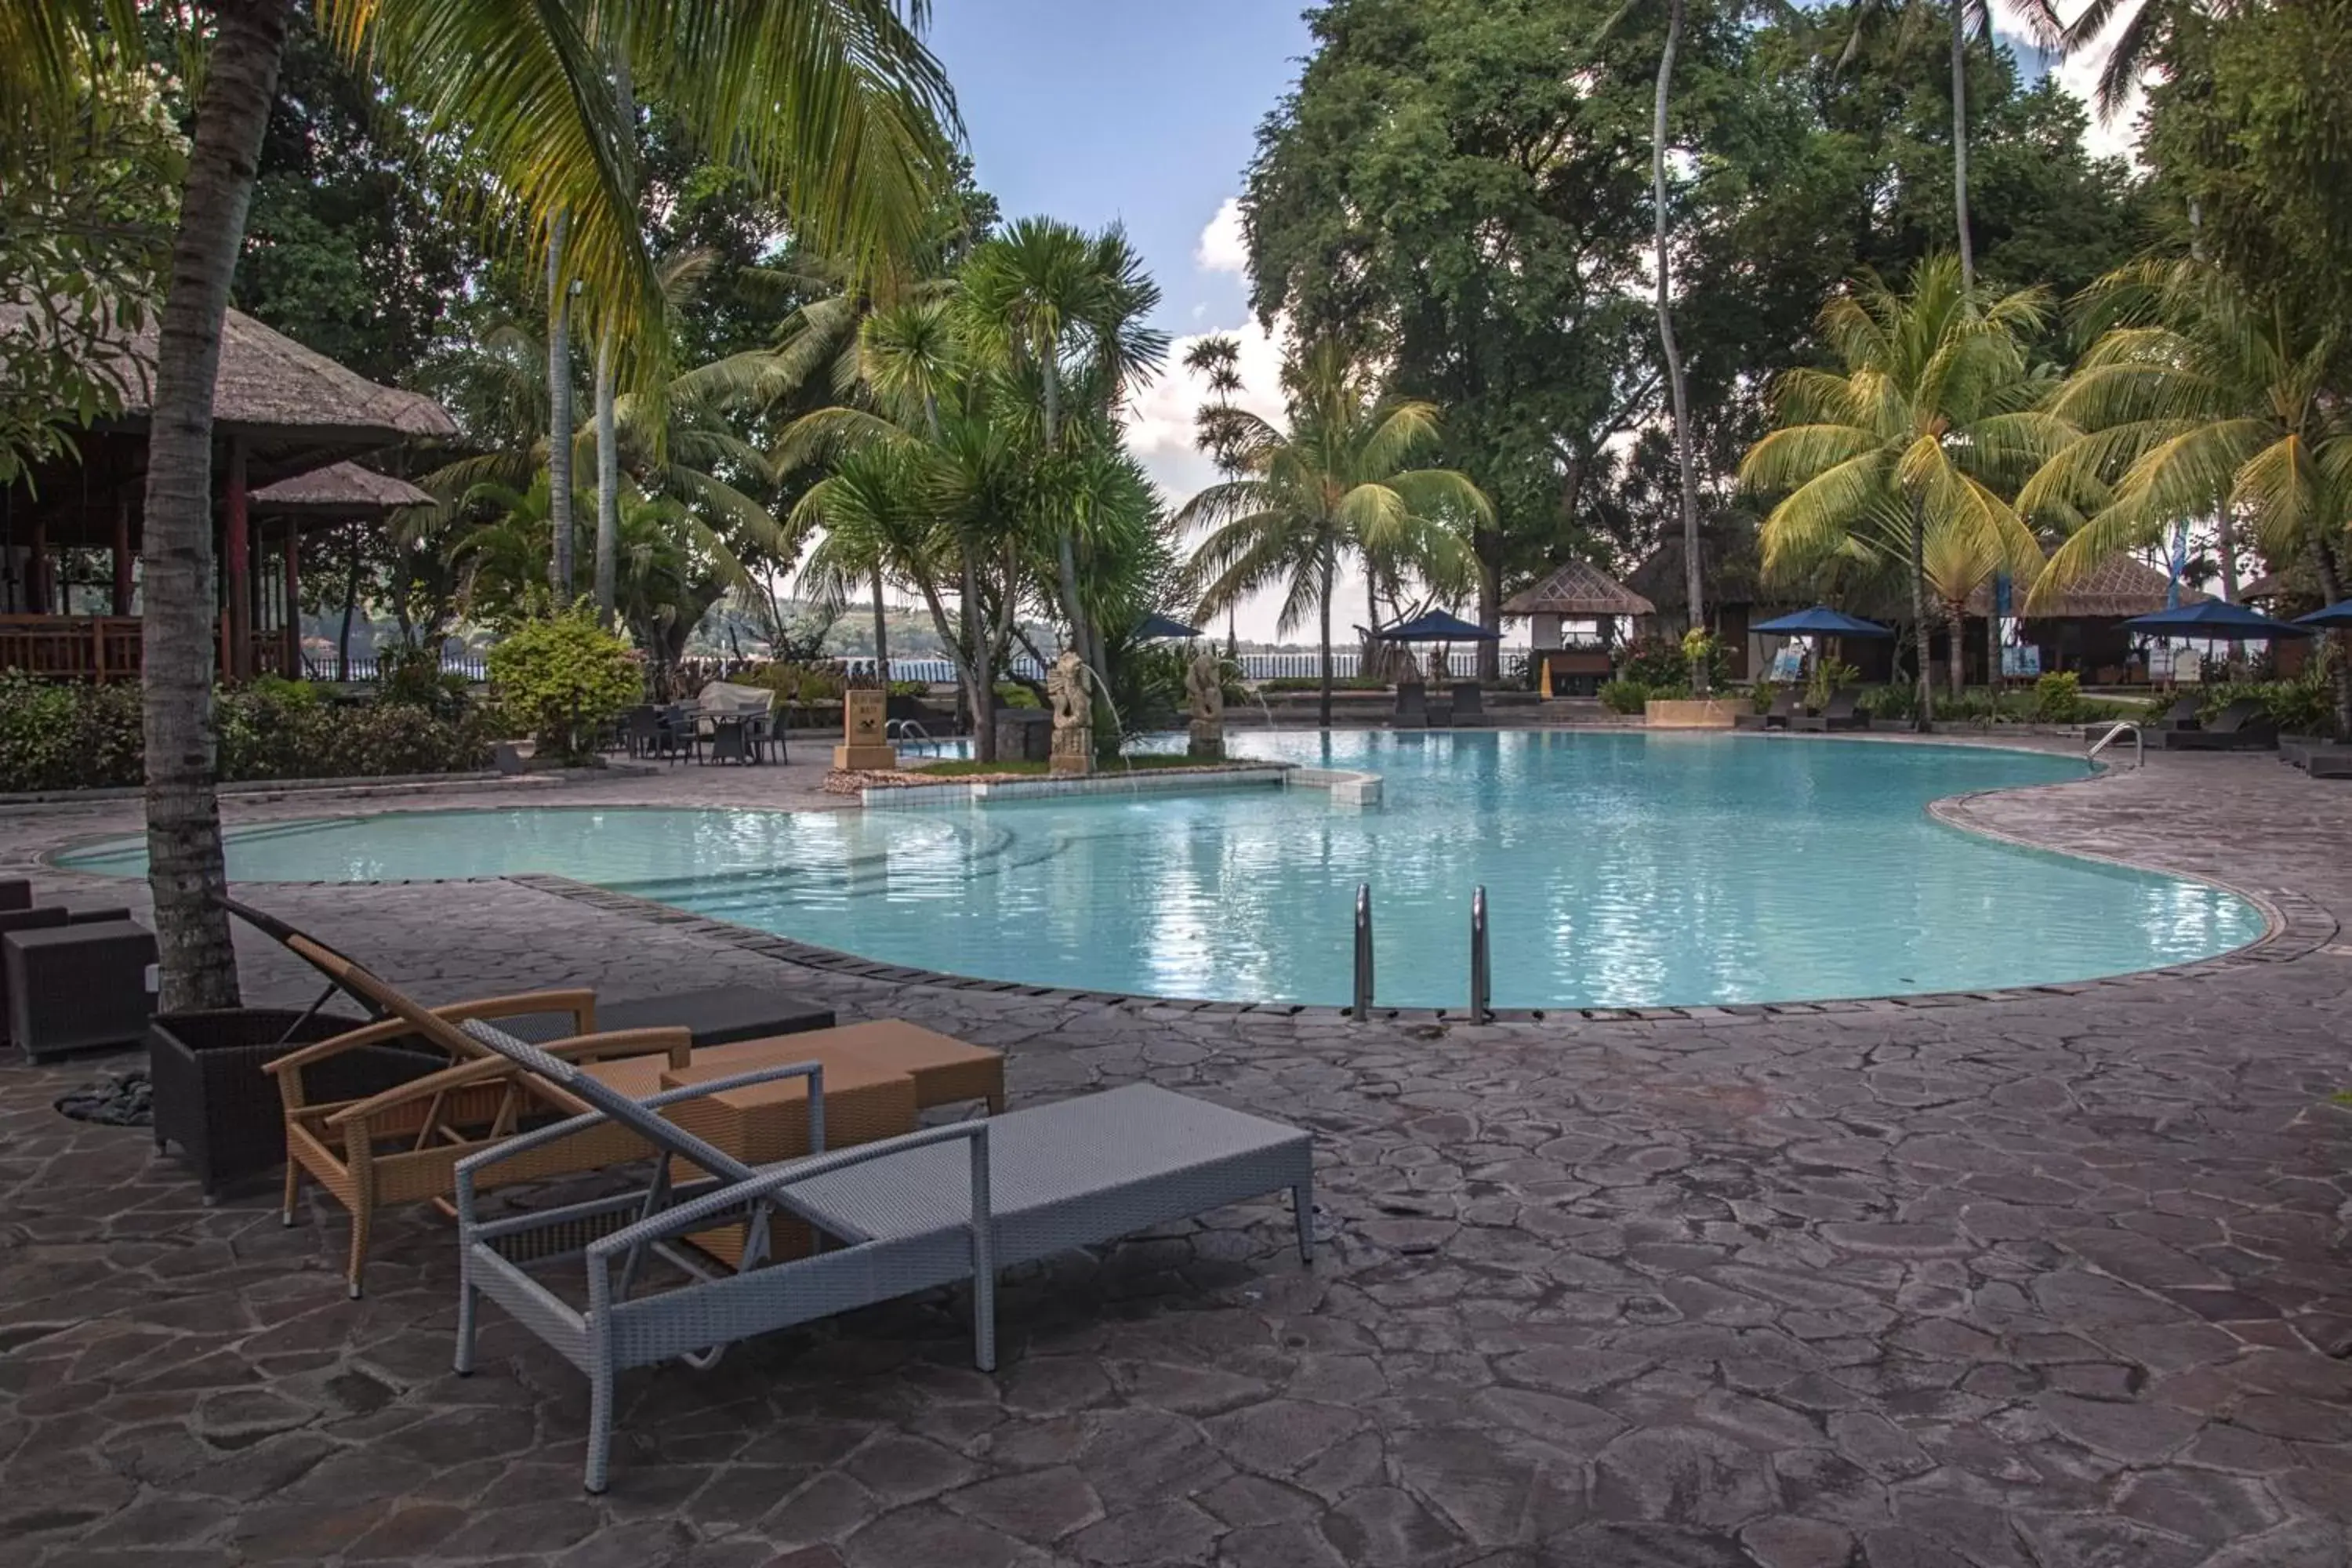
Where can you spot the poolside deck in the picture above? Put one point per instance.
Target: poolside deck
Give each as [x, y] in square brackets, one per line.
[2044, 1280]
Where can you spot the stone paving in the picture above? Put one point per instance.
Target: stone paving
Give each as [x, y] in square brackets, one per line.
[2054, 1279]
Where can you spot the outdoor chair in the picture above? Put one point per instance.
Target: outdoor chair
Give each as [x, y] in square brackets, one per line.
[2243, 726]
[641, 730]
[1469, 703]
[37, 917]
[1840, 713]
[2329, 762]
[1411, 706]
[942, 1206]
[730, 742]
[1783, 713]
[2182, 714]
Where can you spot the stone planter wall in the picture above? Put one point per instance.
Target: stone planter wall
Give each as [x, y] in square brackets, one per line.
[1691, 713]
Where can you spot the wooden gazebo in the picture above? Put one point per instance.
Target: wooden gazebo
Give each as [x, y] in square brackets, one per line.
[2080, 629]
[280, 414]
[1578, 590]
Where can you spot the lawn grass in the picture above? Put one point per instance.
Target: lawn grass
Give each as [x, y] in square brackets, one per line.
[960, 769]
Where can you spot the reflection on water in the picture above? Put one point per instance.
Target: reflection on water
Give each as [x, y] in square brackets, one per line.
[1622, 869]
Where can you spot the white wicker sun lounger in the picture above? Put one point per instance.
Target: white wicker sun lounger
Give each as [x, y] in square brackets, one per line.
[904, 1214]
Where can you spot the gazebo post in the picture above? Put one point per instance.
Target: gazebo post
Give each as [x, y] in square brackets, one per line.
[122, 553]
[236, 567]
[293, 598]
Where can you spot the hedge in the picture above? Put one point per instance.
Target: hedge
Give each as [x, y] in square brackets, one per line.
[59, 736]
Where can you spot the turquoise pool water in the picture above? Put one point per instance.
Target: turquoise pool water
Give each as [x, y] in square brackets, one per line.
[1620, 869]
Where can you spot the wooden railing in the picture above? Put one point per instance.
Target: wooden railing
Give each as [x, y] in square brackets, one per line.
[72, 648]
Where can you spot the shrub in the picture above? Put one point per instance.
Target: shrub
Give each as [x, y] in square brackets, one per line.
[1828, 674]
[1624, 696]
[1659, 663]
[2058, 698]
[566, 679]
[793, 681]
[2303, 706]
[909, 688]
[1315, 683]
[1012, 694]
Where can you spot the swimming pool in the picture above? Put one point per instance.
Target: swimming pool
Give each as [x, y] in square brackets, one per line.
[1622, 868]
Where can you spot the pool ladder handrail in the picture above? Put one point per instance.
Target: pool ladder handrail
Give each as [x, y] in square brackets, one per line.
[1362, 1008]
[2139, 743]
[1482, 968]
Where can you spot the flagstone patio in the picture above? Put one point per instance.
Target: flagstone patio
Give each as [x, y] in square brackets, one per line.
[2051, 1280]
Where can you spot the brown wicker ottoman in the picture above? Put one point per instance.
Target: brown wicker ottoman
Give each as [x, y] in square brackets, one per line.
[76, 986]
[945, 1070]
[719, 1015]
[40, 919]
[16, 893]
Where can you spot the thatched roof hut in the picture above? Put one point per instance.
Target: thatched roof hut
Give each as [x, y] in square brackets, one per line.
[340, 492]
[1730, 569]
[1579, 591]
[2116, 589]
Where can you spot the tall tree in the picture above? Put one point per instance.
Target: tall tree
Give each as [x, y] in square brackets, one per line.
[1685, 464]
[835, 103]
[1965, 16]
[1340, 479]
[1930, 420]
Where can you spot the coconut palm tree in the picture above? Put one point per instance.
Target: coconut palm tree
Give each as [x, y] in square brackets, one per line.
[1341, 480]
[2196, 400]
[835, 103]
[1921, 435]
[1063, 310]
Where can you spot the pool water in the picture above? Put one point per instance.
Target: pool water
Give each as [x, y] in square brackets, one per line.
[1620, 869]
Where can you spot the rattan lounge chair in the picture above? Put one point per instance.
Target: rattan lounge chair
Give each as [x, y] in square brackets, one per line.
[1777, 716]
[2243, 726]
[909, 1214]
[2182, 714]
[1469, 704]
[402, 1144]
[1411, 706]
[1840, 713]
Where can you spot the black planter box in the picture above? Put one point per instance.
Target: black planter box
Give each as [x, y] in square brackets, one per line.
[215, 1100]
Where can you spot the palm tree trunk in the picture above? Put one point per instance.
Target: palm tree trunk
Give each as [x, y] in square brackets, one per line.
[1960, 141]
[2225, 545]
[1922, 717]
[1490, 607]
[608, 481]
[559, 415]
[1677, 390]
[983, 674]
[2331, 587]
[1956, 654]
[186, 871]
[1330, 573]
[356, 540]
[881, 635]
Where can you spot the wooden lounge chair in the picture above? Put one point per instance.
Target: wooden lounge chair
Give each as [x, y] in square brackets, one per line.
[1777, 716]
[402, 1144]
[1411, 706]
[2245, 725]
[1840, 713]
[944, 1205]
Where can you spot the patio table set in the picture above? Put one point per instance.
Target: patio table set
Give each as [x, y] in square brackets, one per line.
[694, 1169]
[725, 723]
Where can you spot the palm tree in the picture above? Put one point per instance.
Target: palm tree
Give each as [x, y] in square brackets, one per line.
[2138, 46]
[1934, 414]
[2197, 400]
[1678, 394]
[1340, 479]
[835, 103]
[1052, 303]
[1967, 16]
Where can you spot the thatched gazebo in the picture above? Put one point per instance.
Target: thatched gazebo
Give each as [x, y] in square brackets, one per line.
[2080, 629]
[1578, 590]
[332, 497]
[280, 411]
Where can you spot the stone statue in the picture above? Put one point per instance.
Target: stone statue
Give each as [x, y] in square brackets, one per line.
[1204, 686]
[1074, 714]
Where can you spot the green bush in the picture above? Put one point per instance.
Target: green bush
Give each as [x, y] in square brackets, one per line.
[2304, 705]
[61, 737]
[565, 678]
[909, 688]
[1315, 683]
[1661, 664]
[1012, 694]
[1624, 696]
[2058, 698]
[1828, 674]
[799, 682]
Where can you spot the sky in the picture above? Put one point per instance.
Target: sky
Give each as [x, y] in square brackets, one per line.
[1145, 112]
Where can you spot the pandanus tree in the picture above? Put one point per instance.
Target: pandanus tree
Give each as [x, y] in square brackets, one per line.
[836, 104]
[1922, 433]
[2196, 399]
[1341, 480]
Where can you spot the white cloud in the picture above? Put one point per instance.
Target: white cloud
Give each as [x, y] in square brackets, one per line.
[1222, 247]
[2078, 72]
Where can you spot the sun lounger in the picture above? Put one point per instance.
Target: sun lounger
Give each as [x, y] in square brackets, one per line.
[1411, 706]
[2329, 762]
[2243, 726]
[2182, 714]
[1777, 716]
[942, 1206]
[1840, 713]
[1469, 703]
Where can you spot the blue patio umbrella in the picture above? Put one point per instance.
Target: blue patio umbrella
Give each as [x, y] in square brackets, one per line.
[1157, 628]
[2336, 616]
[2216, 620]
[1820, 621]
[1436, 626]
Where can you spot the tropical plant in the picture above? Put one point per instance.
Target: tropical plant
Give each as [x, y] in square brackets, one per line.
[2197, 400]
[1341, 480]
[834, 103]
[1627, 696]
[1921, 435]
[567, 679]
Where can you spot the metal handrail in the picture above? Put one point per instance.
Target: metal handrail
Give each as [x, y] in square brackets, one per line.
[1363, 999]
[1482, 968]
[2139, 743]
